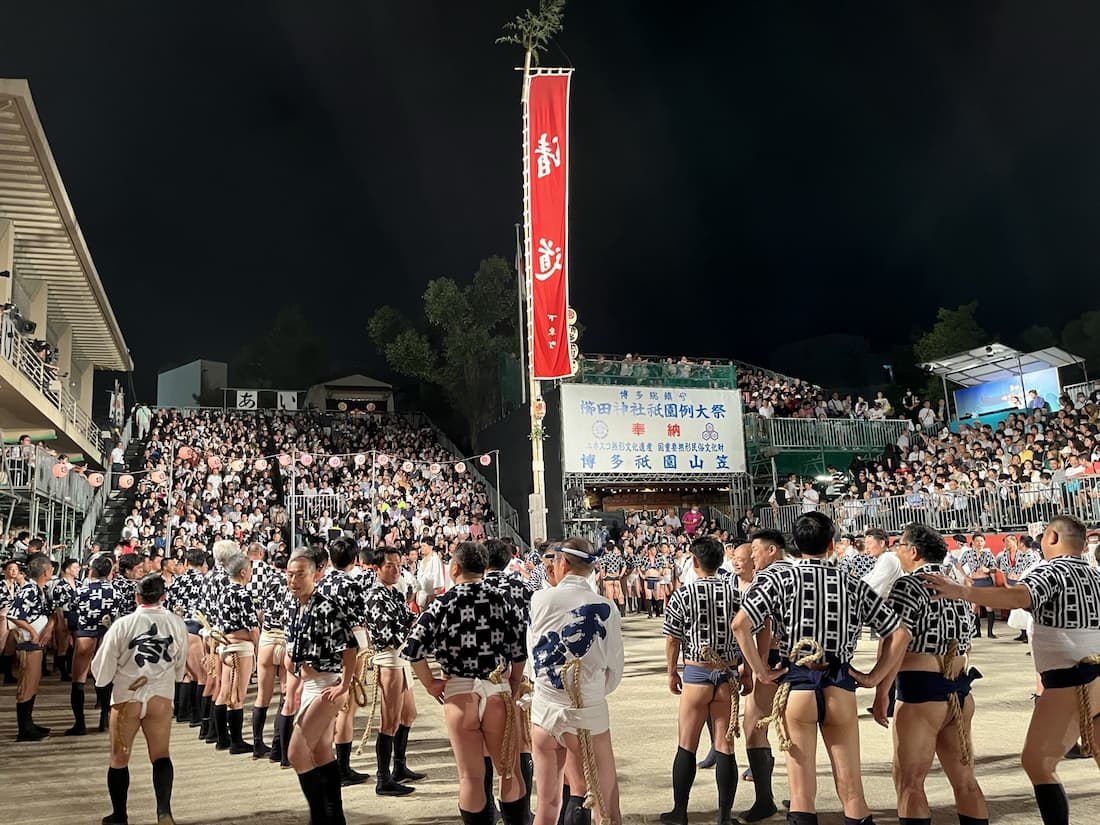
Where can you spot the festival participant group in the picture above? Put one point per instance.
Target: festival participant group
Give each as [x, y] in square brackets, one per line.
[323, 644]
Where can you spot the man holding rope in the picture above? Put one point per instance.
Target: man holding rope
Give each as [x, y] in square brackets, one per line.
[935, 708]
[818, 613]
[1063, 594]
[698, 622]
[388, 619]
[144, 655]
[576, 648]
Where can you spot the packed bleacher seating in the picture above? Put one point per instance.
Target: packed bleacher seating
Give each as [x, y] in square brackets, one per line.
[230, 476]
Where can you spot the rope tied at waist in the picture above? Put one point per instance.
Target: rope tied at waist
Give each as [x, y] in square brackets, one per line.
[783, 692]
[524, 695]
[508, 755]
[571, 679]
[362, 663]
[726, 671]
[213, 638]
[1084, 705]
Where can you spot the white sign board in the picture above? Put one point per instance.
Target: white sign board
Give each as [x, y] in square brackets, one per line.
[614, 429]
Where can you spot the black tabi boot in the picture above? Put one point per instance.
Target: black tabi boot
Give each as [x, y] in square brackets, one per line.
[334, 803]
[205, 717]
[118, 785]
[708, 760]
[912, 820]
[801, 818]
[527, 771]
[286, 728]
[103, 695]
[313, 789]
[401, 772]
[725, 776]
[683, 776]
[259, 722]
[989, 624]
[176, 701]
[237, 745]
[386, 783]
[183, 712]
[276, 753]
[761, 763]
[348, 776]
[26, 729]
[576, 813]
[484, 817]
[76, 702]
[968, 820]
[196, 704]
[515, 812]
[1053, 804]
[39, 728]
[64, 665]
[163, 777]
[221, 728]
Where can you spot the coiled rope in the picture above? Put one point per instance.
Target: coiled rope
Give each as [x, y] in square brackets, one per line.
[571, 679]
[711, 657]
[1084, 706]
[508, 748]
[954, 706]
[782, 694]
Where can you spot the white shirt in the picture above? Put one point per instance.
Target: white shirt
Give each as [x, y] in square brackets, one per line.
[151, 642]
[570, 621]
[886, 571]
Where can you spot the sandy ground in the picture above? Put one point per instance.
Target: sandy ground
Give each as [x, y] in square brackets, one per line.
[62, 780]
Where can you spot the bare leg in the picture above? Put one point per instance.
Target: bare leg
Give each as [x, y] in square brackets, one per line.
[841, 734]
[969, 799]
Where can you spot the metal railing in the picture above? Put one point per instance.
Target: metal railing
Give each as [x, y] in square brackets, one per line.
[16, 349]
[648, 371]
[1008, 506]
[99, 498]
[1087, 387]
[29, 470]
[309, 508]
[823, 434]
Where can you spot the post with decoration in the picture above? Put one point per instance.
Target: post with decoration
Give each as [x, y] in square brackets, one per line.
[545, 106]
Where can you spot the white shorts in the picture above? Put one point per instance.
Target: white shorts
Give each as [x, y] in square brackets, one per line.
[458, 685]
[557, 719]
[312, 688]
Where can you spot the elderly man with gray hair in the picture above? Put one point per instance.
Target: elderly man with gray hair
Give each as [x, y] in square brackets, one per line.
[240, 626]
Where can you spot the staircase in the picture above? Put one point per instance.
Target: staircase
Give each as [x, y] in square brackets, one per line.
[120, 502]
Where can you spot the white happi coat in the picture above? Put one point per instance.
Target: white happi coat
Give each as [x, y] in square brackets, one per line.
[151, 642]
[569, 621]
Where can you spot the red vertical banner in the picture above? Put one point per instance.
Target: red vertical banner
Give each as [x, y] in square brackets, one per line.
[547, 171]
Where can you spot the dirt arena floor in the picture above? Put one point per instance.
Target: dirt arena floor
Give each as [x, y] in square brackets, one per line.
[62, 780]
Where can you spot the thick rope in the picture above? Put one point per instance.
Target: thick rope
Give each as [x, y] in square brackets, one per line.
[954, 706]
[782, 694]
[711, 657]
[376, 674]
[1084, 706]
[508, 755]
[229, 691]
[525, 688]
[120, 744]
[357, 691]
[571, 679]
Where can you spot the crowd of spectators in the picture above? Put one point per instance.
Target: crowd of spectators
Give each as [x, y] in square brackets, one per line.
[210, 474]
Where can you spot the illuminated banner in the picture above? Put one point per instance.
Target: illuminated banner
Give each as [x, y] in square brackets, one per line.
[547, 172]
[610, 429]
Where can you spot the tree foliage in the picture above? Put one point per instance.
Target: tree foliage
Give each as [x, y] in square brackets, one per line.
[1081, 336]
[955, 330]
[533, 30]
[1037, 337]
[284, 356]
[456, 343]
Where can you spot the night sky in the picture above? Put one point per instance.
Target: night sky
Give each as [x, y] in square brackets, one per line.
[743, 175]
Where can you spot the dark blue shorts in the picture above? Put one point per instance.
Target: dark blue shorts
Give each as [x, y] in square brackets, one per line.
[193, 627]
[804, 678]
[774, 658]
[27, 647]
[696, 675]
[1070, 676]
[982, 583]
[70, 621]
[92, 634]
[918, 686]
